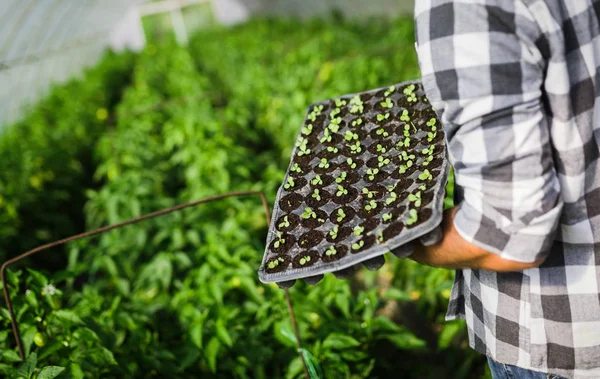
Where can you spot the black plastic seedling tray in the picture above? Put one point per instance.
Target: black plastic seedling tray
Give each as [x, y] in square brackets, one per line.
[367, 176]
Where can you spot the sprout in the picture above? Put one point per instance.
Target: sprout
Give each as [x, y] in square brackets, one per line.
[416, 198]
[405, 143]
[382, 132]
[406, 130]
[357, 122]
[285, 222]
[428, 150]
[349, 136]
[389, 91]
[412, 98]
[304, 260]
[356, 105]
[324, 163]
[340, 103]
[372, 172]
[381, 149]
[432, 122]
[387, 217]
[383, 161]
[316, 195]
[392, 198]
[312, 117]
[331, 251]
[423, 187]
[431, 136]
[380, 237]
[406, 157]
[317, 180]
[342, 177]
[271, 265]
[428, 160]
[358, 230]
[340, 215]
[303, 151]
[351, 163]
[332, 149]
[356, 148]
[371, 205]
[359, 245]
[326, 136]
[307, 130]
[381, 117]
[334, 126]
[413, 217]
[404, 116]
[334, 232]
[425, 175]
[387, 103]
[333, 114]
[280, 241]
[308, 213]
[369, 194]
[341, 191]
[290, 183]
[296, 168]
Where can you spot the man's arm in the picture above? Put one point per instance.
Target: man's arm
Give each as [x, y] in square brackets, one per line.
[454, 252]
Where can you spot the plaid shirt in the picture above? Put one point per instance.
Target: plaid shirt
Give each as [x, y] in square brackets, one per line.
[515, 86]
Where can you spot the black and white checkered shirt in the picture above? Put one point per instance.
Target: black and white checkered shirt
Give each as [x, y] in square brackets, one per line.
[515, 84]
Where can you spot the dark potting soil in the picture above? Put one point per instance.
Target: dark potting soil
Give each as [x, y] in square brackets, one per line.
[310, 239]
[340, 252]
[290, 202]
[349, 213]
[283, 261]
[347, 198]
[292, 222]
[368, 241]
[297, 260]
[289, 241]
[342, 234]
[324, 198]
[314, 222]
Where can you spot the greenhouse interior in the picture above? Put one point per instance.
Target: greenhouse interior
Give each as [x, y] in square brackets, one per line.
[140, 142]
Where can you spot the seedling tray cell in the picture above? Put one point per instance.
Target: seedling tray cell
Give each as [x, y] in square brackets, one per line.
[367, 176]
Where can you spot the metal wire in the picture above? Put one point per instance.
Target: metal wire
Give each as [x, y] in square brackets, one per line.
[13, 320]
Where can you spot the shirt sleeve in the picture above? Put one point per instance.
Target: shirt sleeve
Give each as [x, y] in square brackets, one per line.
[484, 76]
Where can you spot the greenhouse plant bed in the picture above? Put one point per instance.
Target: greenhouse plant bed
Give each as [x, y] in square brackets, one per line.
[367, 176]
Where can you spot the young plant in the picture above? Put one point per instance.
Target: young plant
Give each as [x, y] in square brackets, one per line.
[405, 143]
[371, 205]
[332, 149]
[304, 260]
[425, 175]
[351, 163]
[355, 148]
[275, 263]
[409, 92]
[341, 191]
[387, 217]
[409, 89]
[381, 117]
[334, 124]
[280, 241]
[431, 136]
[412, 217]
[324, 163]
[381, 149]
[340, 103]
[334, 113]
[422, 187]
[342, 177]
[334, 232]
[358, 230]
[412, 98]
[358, 245]
[331, 251]
[387, 103]
[290, 183]
[392, 198]
[316, 195]
[309, 213]
[432, 124]
[317, 181]
[357, 122]
[416, 198]
[381, 161]
[296, 168]
[303, 150]
[382, 132]
[307, 130]
[428, 160]
[340, 215]
[404, 156]
[428, 150]
[372, 172]
[406, 131]
[349, 136]
[285, 223]
[369, 194]
[326, 136]
[389, 91]
[380, 237]
[404, 116]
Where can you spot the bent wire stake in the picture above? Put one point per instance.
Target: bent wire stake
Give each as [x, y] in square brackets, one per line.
[13, 320]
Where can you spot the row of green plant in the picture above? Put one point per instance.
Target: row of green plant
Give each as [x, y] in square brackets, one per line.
[178, 296]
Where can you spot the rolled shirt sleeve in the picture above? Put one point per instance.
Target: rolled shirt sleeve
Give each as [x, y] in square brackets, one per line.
[484, 76]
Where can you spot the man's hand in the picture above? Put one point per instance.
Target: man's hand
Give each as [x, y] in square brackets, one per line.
[454, 252]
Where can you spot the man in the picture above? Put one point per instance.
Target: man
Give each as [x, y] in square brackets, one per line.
[515, 85]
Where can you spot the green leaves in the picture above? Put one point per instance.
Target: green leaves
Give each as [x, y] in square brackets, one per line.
[338, 341]
[50, 372]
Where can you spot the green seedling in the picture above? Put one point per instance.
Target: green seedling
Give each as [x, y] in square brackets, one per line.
[275, 263]
[405, 143]
[431, 136]
[404, 156]
[333, 114]
[316, 195]
[334, 232]
[372, 172]
[425, 175]
[358, 230]
[416, 198]
[428, 160]
[334, 125]
[387, 103]
[332, 149]
[307, 130]
[404, 116]
[356, 105]
[290, 183]
[349, 136]
[304, 260]
[371, 205]
[369, 194]
[340, 103]
[381, 117]
[341, 191]
[380, 237]
[357, 122]
[326, 137]
[392, 198]
[409, 89]
[340, 215]
[303, 151]
[285, 223]
[301, 142]
[381, 161]
[389, 91]
[382, 132]
[422, 187]
[280, 241]
[358, 245]
[406, 130]
[412, 217]
[356, 148]
[432, 124]
[317, 181]
[331, 251]
[428, 150]
[387, 217]
[324, 163]
[351, 163]
[342, 177]
[381, 149]
[296, 168]
[412, 98]
[309, 213]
